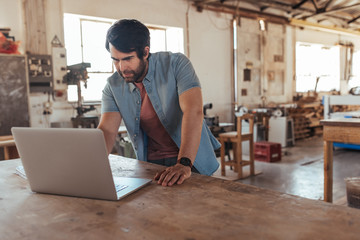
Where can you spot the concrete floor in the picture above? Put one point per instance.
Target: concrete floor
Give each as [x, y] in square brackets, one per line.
[300, 172]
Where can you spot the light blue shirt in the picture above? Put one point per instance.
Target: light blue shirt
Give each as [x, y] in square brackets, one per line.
[169, 75]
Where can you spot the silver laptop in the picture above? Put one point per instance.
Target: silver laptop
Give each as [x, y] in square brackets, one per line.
[71, 162]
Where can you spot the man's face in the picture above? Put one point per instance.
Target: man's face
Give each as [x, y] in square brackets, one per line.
[128, 65]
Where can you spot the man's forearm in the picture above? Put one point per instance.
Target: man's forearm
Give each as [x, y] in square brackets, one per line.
[109, 139]
[109, 124]
[191, 105]
[190, 134]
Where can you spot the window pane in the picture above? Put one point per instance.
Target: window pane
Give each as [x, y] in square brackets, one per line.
[355, 78]
[95, 85]
[166, 39]
[315, 62]
[94, 52]
[157, 40]
[93, 92]
[175, 40]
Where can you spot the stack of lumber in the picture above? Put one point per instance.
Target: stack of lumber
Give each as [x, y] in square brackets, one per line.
[306, 117]
[308, 113]
[345, 108]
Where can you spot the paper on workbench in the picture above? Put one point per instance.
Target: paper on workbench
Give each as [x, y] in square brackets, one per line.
[20, 171]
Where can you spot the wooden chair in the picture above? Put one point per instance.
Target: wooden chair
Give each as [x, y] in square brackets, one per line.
[8, 143]
[236, 138]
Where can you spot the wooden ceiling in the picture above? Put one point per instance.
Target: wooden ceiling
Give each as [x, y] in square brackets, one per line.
[343, 14]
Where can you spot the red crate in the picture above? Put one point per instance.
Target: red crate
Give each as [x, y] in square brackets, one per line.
[267, 151]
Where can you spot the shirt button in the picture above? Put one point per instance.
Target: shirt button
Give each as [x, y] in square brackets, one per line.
[138, 102]
[136, 119]
[135, 135]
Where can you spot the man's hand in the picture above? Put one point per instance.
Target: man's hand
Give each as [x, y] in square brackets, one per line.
[171, 175]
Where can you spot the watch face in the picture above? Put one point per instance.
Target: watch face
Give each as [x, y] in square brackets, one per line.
[185, 162]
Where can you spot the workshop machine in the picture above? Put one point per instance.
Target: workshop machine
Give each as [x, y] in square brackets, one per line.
[75, 75]
[211, 120]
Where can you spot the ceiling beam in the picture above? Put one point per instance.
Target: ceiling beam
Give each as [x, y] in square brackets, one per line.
[353, 20]
[299, 12]
[296, 6]
[301, 23]
[241, 12]
[333, 10]
[327, 4]
[315, 5]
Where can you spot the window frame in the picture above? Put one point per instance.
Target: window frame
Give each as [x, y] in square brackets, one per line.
[82, 19]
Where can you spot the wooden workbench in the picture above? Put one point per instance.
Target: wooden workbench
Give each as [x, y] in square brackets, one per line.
[344, 130]
[201, 208]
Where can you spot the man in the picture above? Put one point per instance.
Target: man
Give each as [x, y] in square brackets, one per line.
[159, 98]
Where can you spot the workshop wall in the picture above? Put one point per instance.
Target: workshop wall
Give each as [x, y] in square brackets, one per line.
[264, 75]
[211, 55]
[209, 47]
[209, 39]
[204, 34]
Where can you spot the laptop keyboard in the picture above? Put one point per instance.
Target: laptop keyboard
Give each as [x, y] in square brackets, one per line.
[120, 187]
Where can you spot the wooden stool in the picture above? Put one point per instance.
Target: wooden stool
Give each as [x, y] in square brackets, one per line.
[236, 138]
[8, 143]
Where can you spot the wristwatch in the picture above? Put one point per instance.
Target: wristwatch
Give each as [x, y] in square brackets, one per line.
[185, 161]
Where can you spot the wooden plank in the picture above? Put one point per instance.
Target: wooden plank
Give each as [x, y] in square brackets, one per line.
[345, 134]
[7, 137]
[348, 122]
[35, 26]
[201, 208]
[7, 143]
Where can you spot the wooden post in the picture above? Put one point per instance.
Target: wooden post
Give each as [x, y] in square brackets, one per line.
[222, 156]
[238, 158]
[6, 153]
[251, 146]
[328, 171]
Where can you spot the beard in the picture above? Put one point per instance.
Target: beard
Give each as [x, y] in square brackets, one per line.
[137, 74]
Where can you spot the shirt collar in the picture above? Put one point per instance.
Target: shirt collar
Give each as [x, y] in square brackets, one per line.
[151, 69]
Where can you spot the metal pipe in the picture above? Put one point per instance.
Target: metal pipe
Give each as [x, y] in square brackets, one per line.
[235, 67]
[187, 32]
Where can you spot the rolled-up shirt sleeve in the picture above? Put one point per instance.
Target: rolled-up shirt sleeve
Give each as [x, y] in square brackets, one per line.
[108, 103]
[185, 74]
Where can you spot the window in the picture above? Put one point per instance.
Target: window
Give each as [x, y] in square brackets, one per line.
[85, 42]
[317, 66]
[355, 77]
[166, 39]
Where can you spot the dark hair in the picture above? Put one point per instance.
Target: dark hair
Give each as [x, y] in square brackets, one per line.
[128, 35]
